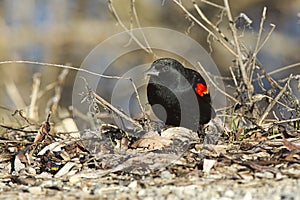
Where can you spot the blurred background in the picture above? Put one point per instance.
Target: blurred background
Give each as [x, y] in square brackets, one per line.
[65, 31]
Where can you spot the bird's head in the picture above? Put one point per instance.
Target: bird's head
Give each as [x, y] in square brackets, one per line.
[164, 67]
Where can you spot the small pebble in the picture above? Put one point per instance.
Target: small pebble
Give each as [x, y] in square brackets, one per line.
[166, 175]
[133, 185]
[229, 193]
[142, 192]
[35, 190]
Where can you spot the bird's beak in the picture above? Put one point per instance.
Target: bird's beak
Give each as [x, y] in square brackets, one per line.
[152, 72]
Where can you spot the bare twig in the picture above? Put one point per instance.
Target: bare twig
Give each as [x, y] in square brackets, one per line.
[271, 105]
[213, 4]
[139, 25]
[17, 129]
[202, 15]
[138, 98]
[115, 110]
[59, 66]
[263, 43]
[81, 70]
[257, 47]
[22, 115]
[178, 3]
[268, 77]
[261, 27]
[263, 18]
[16, 141]
[287, 121]
[295, 77]
[267, 37]
[233, 76]
[239, 54]
[282, 69]
[261, 96]
[116, 16]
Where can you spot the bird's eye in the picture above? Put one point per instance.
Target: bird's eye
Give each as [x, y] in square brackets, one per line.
[166, 68]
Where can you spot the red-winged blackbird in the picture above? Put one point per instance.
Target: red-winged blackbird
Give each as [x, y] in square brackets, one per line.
[179, 96]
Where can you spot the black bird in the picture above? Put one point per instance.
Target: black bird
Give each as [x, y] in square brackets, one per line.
[179, 96]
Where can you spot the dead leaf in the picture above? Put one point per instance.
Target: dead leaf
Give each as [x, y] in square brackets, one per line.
[152, 142]
[44, 130]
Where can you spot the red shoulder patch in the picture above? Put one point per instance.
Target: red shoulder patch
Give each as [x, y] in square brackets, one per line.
[201, 89]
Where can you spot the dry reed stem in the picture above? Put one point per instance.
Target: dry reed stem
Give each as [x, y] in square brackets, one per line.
[32, 111]
[14, 94]
[80, 70]
[52, 103]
